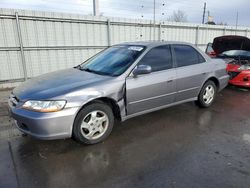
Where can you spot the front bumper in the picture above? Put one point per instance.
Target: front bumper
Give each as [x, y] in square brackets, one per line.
[240, 78]
[47, 126]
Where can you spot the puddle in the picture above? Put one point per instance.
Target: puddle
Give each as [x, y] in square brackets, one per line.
[246, 137]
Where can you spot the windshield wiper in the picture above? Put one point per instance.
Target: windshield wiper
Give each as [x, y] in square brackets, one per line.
[94, 71]
[77, 67]
[87, 70]
[83, 69]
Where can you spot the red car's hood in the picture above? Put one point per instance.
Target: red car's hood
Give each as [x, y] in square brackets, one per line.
[230, 42]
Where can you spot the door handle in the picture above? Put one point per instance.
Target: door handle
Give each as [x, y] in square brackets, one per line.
[204, 73]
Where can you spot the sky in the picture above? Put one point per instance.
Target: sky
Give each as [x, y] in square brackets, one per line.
[224, 11]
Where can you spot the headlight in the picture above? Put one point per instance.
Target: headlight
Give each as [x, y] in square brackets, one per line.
[244, 67]
[44, 106]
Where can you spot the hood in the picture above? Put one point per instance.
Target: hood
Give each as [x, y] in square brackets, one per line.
[56, 84]
[230, 42]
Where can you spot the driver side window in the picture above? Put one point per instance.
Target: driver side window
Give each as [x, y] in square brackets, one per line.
[159, 58]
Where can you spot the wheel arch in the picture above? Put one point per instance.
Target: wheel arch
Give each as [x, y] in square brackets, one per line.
[106, 100]
[215, 80]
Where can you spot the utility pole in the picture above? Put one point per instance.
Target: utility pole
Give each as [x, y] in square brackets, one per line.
[204, 12]
[96, 7]
[236, 25]
[154, 21]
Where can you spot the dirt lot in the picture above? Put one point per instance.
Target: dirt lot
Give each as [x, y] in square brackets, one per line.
[182, 146]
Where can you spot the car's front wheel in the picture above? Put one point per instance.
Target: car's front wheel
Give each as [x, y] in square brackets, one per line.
[207, 94]
[93, 123]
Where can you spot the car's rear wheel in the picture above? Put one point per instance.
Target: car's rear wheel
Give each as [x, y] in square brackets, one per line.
[93, 123]
[207, 94]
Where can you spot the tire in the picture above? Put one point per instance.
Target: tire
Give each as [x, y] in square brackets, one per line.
[93, 123]
[207, 94]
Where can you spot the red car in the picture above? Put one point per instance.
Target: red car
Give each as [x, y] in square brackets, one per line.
[235, 50]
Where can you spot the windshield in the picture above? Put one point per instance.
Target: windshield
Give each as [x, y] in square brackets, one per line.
[236, 53]
[113, 61]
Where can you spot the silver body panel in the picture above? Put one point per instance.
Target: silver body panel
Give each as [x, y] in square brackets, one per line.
[132, 95]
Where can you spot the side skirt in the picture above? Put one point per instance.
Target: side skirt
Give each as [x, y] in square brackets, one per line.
[157, 108]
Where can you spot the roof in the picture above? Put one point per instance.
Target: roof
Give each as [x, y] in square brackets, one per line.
[153, 43]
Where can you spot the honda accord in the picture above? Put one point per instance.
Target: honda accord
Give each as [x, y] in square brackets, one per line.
[121, 82]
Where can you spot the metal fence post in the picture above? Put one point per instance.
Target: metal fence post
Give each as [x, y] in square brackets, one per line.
[21, 46]
[197, 36]
[150, 33]
[160, 32]
[108, 33]
[224, 31]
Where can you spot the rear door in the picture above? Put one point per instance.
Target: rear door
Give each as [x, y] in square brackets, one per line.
[191, 71]
[156, 89]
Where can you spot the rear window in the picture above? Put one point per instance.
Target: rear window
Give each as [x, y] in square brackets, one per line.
[186, 55]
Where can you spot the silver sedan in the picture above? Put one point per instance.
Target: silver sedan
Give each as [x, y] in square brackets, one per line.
[121, 82]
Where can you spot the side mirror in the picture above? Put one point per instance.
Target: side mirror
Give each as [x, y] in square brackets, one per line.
[142, 69]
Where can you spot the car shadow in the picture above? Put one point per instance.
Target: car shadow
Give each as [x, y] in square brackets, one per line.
[238, 88]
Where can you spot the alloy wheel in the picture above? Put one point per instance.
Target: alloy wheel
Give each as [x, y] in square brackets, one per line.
[208, 95]
[94, 124]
